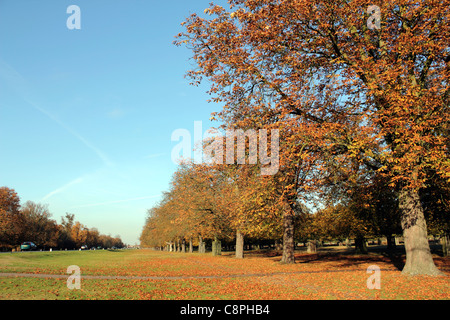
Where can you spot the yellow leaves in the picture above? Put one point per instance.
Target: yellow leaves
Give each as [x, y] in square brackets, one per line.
[386, 119]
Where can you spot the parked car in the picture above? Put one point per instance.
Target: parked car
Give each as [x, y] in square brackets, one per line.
[28, 246]
[84, 247]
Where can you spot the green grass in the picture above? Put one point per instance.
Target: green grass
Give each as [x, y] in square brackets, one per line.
[56, 262]
[56, 289]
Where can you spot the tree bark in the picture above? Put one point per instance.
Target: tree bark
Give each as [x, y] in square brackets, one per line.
[445, 242]
[191, 248]
[360, 245]
[311, 246]
[183, 246]
[419, 260]
[390, 242]
[239, 245]
[288, 237]
[216, 247]
[201, 245]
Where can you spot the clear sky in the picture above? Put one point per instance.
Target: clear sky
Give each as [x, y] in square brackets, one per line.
[86, 116]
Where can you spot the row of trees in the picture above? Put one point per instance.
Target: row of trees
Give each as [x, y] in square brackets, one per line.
[233, 204]
[358, 108]
[32, 222]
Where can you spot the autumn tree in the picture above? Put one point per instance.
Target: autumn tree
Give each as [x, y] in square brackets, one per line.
[65, 239]
[93, 238]
[215, 202]
[199, 189]
[366, 196]
[168, 223]
[380, 209]
[79, 234]
[11, 219]
[256, 211]
[322, 64]
[38, 227]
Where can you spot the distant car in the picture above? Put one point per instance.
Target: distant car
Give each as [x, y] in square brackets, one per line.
[84, 247]
[28, 246]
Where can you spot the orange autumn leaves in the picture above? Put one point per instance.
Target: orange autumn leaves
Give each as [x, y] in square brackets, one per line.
[180, 276]
[209, 201]
[317, 62]
[348, 100]
[312, 277]
[259, 277]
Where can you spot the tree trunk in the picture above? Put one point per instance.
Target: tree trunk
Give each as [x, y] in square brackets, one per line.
[391, 242]
[445, 242]
[360, 245]
[191, 248]
[216, 247]
[288, 237]
[418, 255]
[201, 245]
[239, 245]
[183, 246]
[311, 246]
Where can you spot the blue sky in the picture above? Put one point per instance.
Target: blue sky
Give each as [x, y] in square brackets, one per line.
[86, 116]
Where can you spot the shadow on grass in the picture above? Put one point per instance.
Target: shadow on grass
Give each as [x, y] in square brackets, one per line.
[347, 258]
[344, 258]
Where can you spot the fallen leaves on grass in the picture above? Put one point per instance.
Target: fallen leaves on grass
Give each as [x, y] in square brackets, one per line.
[202, 276]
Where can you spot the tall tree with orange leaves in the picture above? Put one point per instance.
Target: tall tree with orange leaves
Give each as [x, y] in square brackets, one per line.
[367, 80]
[11, 218]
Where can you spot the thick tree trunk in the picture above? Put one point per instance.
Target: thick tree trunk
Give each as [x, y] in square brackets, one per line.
[390, 242]
[288, 237]
[201, 245]
[360, 245]
[239, 245]
[183, 246]
[418, 256]
[216, 247]
[311, 246]
[191, 248]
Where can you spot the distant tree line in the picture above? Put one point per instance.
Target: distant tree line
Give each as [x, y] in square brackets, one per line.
[32, 222]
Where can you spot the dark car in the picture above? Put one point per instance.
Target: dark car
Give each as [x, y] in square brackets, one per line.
[28, 246]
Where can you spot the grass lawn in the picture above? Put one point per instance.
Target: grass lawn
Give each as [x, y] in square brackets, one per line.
[147, 274]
